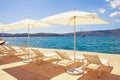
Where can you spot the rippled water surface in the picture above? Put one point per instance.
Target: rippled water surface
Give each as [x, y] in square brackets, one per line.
[104, 44]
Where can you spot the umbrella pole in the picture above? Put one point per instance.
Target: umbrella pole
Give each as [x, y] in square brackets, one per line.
[2, 34]
[74, 37]
[28, 37]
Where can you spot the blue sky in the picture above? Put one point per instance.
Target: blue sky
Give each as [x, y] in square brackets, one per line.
[15, 10]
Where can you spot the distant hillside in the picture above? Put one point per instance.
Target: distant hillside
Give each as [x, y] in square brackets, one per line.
[26, 34]
[106, 33]
[6, 34]
[115, 32]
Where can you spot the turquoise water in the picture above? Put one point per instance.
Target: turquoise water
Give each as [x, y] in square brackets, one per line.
[104, 44]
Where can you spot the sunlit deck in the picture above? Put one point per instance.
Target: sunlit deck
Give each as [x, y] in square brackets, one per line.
[12, 68]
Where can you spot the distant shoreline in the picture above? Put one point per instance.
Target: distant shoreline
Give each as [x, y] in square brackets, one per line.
[64, 36]
[115, 32]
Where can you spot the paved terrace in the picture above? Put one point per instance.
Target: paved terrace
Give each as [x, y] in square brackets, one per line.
[12, 68]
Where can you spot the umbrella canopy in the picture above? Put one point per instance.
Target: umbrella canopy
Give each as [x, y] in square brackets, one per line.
[27, 23]
[74, 17]
[80, 17]
[5, 28]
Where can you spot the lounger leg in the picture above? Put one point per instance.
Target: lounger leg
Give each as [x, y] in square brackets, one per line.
[66, 68]
[37, 62]
[108, 63]
[56, 64]
[99, 74]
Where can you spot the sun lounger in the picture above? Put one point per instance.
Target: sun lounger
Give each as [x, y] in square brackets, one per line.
[2, 51]
[94, 59]
[6, 50]
[65, 59]
[14, 50]
[28, 56]
[40, 55]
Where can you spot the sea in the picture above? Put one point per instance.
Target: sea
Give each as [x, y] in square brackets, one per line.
[102, 44]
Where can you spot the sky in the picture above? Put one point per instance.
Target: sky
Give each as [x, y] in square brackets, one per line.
[15, 10]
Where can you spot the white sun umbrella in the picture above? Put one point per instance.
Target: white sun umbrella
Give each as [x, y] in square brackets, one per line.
[2, 29]
[74, 18]
[27, 23]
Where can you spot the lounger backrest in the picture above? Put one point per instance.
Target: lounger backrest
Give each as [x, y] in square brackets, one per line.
[10, 47]
[23, 49]
[63, 55]
[92, 58]
[38, 53]
[4, 47]
[1, 47]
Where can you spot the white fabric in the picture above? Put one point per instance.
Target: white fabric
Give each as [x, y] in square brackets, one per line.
[27, 22]
[67, 18]
[104, 61]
